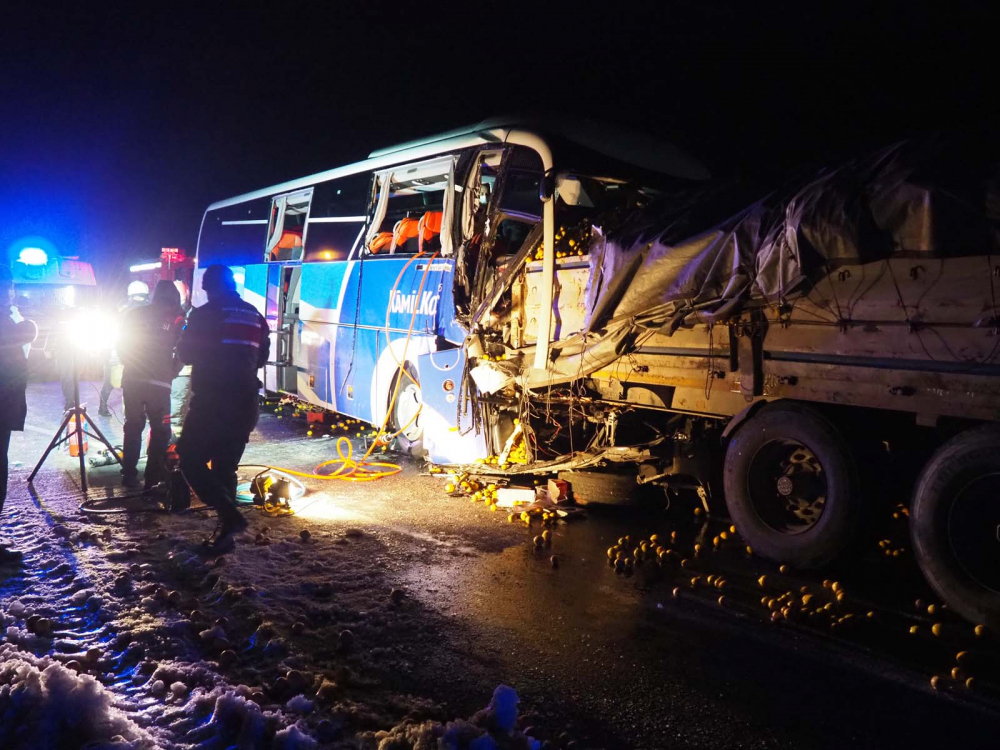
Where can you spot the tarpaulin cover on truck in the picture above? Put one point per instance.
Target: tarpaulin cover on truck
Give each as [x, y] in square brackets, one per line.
[705, 255]
[695, 257]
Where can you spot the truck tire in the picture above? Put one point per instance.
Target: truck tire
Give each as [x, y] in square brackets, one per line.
[600, 488]
[791, 486]
[955, 524]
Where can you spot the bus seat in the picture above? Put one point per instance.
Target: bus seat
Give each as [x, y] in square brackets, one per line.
[429, 227]
[404, 230]
[381, 241]
[290, 241]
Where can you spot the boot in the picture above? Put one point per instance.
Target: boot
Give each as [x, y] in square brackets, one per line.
[103, 410]
[232, 523]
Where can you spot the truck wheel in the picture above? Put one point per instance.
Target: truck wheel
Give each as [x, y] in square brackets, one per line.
[406, 419]
[792, 486]
[601, 488]
[955, 523]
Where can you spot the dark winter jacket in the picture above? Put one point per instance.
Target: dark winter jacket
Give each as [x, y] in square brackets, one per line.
[226, 341]
[146, 346]
[13, 369]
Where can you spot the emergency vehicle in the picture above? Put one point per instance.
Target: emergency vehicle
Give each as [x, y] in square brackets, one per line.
[49, 290]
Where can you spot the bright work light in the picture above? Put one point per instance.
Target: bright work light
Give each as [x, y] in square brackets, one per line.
[93, 331]
[33, 256]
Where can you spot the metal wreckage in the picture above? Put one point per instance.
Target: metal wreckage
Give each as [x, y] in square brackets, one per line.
[785, 352]
[565, 297]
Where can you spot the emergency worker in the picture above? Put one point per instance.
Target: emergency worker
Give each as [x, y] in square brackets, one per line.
[225, 342]
[146, 348]
[137, 295]
[16, 334]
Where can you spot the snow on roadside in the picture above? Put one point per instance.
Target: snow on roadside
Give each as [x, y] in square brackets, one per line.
[44, 704]
[139, 643]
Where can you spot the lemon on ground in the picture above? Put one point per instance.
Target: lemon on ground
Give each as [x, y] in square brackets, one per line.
[762, 581]
[979, 630]
[937, 628]
[914, 629]
[449, 487]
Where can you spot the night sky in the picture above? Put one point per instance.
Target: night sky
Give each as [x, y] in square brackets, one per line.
[120, 125]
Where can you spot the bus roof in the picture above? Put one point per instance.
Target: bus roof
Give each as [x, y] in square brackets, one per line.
[613, 142]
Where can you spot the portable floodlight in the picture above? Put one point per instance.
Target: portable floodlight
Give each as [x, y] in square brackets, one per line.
[93, 331]
[89, 331]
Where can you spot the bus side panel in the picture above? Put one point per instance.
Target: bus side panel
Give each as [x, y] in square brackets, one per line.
[314, 343]
[405, 292]
[255, 287]
[320, 298]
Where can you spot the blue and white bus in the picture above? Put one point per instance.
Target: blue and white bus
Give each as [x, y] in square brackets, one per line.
[421, 264]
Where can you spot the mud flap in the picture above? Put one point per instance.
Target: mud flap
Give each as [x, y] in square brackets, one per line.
[449, 437]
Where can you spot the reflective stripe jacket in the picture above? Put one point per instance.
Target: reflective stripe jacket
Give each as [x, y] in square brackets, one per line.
[226, 341]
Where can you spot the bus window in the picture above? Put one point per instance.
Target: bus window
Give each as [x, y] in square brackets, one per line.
[337, 217]
[413, 211]
[287, 225]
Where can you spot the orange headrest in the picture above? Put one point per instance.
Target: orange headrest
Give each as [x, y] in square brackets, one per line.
[290, 239]
[382, 240]
[404, 230]
[430, 224]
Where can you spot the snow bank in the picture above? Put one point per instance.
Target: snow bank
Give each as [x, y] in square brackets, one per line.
[490, 729]
[43, 704]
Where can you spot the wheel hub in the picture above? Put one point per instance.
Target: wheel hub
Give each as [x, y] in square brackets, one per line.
[408, 404]
[787, 486]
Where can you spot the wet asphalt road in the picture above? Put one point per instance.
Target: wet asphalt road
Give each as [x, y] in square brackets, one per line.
[620, 662]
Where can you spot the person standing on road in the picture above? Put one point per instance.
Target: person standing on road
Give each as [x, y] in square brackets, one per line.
[137, 295]
[226, 341]
[146, 347]
[16, 334]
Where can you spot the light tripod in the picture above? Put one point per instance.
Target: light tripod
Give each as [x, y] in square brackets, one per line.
[78, 417]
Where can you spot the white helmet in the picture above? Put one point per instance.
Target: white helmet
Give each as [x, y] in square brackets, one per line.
[138, 289]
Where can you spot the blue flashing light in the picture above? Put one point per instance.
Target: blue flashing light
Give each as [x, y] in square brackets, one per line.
[33, 256]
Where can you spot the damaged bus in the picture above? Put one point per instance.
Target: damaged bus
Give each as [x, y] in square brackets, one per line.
[552, 298]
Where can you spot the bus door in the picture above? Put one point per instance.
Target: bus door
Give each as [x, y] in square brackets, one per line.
[283, 251]
[287, 328]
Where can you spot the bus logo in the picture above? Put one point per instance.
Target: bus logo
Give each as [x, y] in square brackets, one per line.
[406, 303]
